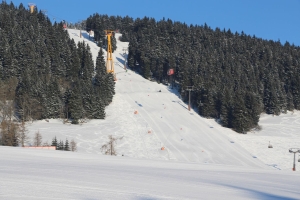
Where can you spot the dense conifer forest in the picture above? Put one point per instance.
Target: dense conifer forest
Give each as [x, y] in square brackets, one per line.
[44, 74]
[235, 76]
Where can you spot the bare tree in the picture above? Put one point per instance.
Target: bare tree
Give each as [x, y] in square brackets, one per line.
[46, 144]
[37, 141]
[8, 126]
[9, 133]
[30, 108]
[109, 147]
[73, 145]
[7, 110]
[23, 134]
[7, 96]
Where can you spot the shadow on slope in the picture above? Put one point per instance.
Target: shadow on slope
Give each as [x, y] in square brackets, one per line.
[261, 195]
[121, 60]
[87, 36]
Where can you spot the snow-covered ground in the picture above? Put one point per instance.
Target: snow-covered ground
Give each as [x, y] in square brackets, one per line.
[283, 133]
[201, 160]
[46, 174]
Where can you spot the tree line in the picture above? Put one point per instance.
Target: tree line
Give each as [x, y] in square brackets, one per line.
[72, 146]
[235, 76]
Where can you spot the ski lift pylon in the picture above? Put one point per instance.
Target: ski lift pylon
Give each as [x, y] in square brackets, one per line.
[31, 6]
[270, 146]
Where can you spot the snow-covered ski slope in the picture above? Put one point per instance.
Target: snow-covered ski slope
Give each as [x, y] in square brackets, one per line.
[201, 160]
[29, 174]
[186, 136]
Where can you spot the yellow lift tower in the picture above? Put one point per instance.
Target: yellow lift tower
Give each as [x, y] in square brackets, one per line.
[109, 58]
[32, 7]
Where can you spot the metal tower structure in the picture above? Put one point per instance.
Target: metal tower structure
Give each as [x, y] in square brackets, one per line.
[189, 88]
[109, 58]
[31, 6]
[125, 51]
[294, 151]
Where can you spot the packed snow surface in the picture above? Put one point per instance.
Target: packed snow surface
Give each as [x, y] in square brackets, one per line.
[28, 174]
[200, 160]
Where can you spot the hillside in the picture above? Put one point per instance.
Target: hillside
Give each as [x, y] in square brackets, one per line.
[186, 136]
[235, 76]
[54, 82]
[201, 159]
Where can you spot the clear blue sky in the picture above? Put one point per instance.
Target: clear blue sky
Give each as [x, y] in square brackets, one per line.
[267, 19]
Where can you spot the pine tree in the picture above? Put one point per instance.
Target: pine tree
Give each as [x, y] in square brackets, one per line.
[75, 106]
[73, 70]
[145, 65]
[54, 143]
[67, 148]
[100, 67]
[1, 70]
[98, 111]
[61, 145]
[240, 122]
[104, 84]
[225, 101]
[58, 147]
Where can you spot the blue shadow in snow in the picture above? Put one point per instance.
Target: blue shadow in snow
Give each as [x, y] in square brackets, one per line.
[86, 36]
[145, 197]
[140, 105]
[121, 60]
[180, 103]
[261, 195]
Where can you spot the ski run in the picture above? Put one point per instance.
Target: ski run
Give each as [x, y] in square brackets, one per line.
[164, 151]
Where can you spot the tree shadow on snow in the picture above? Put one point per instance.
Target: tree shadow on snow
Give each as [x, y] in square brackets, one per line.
[121, 60]
[181, 103]
[146, 198]
[86, 36]
[122, 54]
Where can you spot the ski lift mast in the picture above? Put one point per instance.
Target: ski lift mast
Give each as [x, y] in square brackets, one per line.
[109, 58]
[125, 51]
[31, 6]
[189, 88]
[294, 151]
